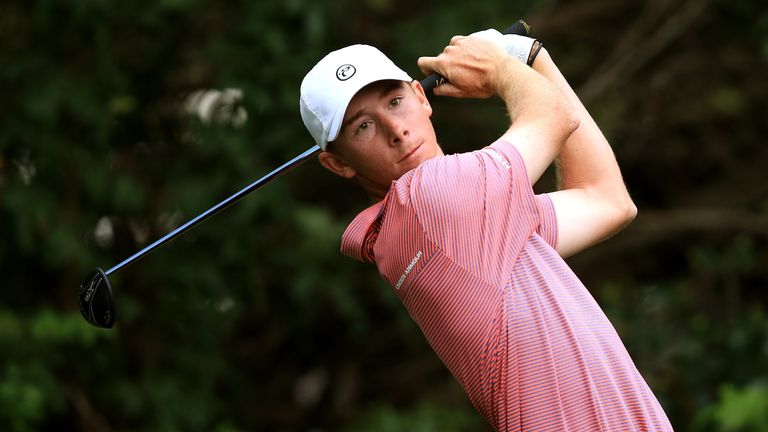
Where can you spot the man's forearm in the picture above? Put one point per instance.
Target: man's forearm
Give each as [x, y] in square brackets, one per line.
[529, 97]
[542, 118]
[586, 160]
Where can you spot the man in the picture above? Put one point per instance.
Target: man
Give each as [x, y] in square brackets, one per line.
[472, 253]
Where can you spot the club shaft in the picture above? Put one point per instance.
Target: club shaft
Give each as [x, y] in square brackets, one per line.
[428, 83]
[296, 161]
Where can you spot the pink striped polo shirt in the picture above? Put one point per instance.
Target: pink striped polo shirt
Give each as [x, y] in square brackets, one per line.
[469, 250]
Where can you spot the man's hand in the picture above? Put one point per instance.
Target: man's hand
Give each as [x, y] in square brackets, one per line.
[517, 46]
[472, 66]
[541, 117]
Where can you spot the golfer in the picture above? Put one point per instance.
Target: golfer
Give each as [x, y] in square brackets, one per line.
[474, 255]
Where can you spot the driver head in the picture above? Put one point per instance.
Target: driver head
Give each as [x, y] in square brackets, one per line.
[96, 303]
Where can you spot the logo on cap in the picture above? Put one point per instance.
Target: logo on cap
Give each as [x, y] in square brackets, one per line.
[345, 72]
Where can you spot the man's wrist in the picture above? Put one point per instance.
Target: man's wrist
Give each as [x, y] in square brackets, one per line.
[504, 75]
[541, 60]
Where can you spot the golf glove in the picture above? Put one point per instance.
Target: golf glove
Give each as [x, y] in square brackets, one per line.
[522, 48]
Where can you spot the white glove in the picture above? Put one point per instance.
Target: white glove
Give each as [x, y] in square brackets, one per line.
[516, 46]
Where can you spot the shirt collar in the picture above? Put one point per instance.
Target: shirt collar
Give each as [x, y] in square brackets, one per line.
[356, 241]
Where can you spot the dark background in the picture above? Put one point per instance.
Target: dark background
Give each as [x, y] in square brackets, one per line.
[254, 321]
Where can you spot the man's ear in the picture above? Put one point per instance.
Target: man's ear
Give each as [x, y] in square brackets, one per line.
[336, 164]
[422, 96]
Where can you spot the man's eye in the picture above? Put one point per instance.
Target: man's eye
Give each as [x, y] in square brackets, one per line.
[363, 126]
[395, 101]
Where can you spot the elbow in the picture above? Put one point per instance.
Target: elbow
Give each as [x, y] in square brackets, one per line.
[573, 122]
[573, 119]
[631, 211]
[568, 119]
[626, 212]
[618, 211]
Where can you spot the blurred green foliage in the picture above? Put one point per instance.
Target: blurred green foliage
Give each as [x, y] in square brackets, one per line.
[253, 321]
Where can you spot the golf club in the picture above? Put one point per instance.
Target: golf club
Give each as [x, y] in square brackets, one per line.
[96, 300]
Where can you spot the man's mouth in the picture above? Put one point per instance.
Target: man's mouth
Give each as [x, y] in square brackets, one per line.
[411, 152]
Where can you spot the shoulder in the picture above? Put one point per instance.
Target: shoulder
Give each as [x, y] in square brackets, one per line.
[445, 182]
[507, 155]
[464, 177]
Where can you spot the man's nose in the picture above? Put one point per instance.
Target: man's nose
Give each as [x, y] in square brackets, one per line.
[398, 130]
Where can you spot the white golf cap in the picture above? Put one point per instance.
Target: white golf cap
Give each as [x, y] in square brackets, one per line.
[327, 89]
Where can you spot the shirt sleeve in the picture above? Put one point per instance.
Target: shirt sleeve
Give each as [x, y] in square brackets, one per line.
[547, 227]
[546, 216]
